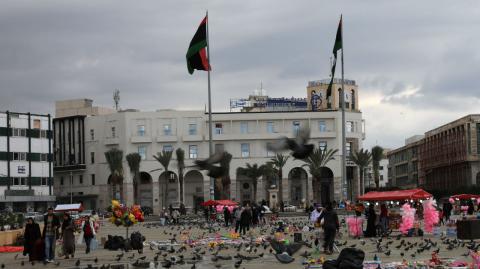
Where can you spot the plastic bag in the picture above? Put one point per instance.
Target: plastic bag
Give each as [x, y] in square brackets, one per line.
[80, 239]
[93, 244]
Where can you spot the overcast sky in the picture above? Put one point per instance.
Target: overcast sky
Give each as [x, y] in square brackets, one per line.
[417, 63]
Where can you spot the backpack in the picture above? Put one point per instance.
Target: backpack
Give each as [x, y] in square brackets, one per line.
[87, 229]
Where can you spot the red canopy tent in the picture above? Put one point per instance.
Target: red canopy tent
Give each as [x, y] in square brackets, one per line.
[209, 203]
[219, 202]
[465, 196]
[414, 194]
[68, 207]
[226, 202]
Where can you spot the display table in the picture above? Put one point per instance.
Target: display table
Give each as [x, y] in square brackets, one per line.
[468, 229]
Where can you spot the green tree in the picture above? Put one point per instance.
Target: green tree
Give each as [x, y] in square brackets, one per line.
[377, 156]
[114, 159]
[279, 161]
[317, 161]
[164, 159]
[181, 167]
[133, 160]
[253, 172]
[362, 159]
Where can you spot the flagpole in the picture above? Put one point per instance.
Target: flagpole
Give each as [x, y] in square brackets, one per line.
[210, 145]
[344, 139]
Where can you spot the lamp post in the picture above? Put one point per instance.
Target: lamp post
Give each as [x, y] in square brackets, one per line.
[71, 187]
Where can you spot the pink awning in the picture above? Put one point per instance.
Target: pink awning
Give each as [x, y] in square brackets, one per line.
[415, 194]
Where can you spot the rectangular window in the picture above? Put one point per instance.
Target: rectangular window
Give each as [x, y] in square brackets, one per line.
[44, 181]
[381, 177]
[141, 130]
[245, 147]
[43, 133]
[269, 152]
[270, 127]
[61, 180]
[348, 148]
[16, 181]
[80, 179]
[44, 157]
[142, 151]
[349, 126]
[23, 132]
[92, 157]
[296, 127]
[244, 127]
[218, 128]
[193, 151]
[113, 132]
[192, 129]
[380, 168]
[92, 134]
[168, 148]
[93, 179]
[322, 126]
[167, 129]
[19, 156]
[219, 148]
[36, 124]
[322, 145]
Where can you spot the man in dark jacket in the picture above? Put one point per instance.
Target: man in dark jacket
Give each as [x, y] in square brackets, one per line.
[50, 232]
[330, 227]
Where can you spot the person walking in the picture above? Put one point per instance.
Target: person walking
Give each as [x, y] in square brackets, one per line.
[88, 229]
[330, 227]
[371, 220]
[384, 218]
[447, 210]
[226, 216]
[31, 236]
[50, 233]
[238, 219]
[68, 236]
[245, 219]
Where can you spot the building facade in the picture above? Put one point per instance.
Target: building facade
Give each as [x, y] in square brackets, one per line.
[244, 135]
[403, 164]
[25, 162]
[450, 154]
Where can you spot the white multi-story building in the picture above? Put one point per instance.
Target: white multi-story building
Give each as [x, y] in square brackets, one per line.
[25, 162]
[245, 135]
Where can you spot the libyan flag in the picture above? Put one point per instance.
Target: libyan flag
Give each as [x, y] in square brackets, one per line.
[337, 46]
[197, 54]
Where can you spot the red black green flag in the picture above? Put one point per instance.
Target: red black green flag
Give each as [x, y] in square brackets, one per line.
[337, 46]
[197, 53]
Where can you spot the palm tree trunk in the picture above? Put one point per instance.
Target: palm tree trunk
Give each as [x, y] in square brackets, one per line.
[280, 185]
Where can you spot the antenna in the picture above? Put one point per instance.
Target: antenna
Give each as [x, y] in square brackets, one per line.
[116, 98]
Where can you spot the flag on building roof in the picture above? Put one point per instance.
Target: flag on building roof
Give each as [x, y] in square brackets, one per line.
[197, 51]
[337, 46]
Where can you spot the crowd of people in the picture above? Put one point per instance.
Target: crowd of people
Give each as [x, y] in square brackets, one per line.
[42, 245]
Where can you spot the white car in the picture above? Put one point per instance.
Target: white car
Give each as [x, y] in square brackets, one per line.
[289, 208]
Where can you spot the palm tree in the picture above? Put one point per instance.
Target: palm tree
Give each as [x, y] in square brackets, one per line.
[279, 162]
[181, 166]
[317, 161]
[377, 156]
[362, 159]
[254, 172]
[133, 160]
[225, 163]
[114, 159]
[164, 159]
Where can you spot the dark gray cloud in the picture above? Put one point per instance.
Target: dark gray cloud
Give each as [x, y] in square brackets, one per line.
[408, 57]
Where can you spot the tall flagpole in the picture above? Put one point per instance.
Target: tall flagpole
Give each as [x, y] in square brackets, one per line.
[344, 139]
[210, 145]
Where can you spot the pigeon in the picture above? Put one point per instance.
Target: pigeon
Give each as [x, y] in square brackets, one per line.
[77, 263]
[96, 260]
[22, 263]
[284, 258]
[215, 171]
[388, 253]
[300, 150]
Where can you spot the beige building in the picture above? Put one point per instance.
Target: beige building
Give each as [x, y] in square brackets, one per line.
[243, 134]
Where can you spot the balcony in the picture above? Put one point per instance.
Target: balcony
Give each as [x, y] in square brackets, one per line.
[19, 192]
[141, 139]
[192, 138]
[167, 138]
[112, 141]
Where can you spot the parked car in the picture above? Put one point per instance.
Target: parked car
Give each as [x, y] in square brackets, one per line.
[289, 208]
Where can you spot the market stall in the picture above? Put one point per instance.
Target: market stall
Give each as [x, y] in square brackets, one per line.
[394, 218]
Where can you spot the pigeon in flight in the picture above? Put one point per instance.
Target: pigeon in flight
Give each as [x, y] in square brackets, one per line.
[298, 145]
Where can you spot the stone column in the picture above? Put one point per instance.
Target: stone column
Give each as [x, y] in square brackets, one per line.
[286, 190]
[337, 188]
[156, 198]
[310, 190]
[128, 193]
[260, 190]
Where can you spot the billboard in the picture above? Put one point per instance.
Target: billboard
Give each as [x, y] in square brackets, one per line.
[317, 99]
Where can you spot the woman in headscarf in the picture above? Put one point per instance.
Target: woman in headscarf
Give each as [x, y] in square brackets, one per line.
[371, 220]
[68, 229]
[32, 235]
